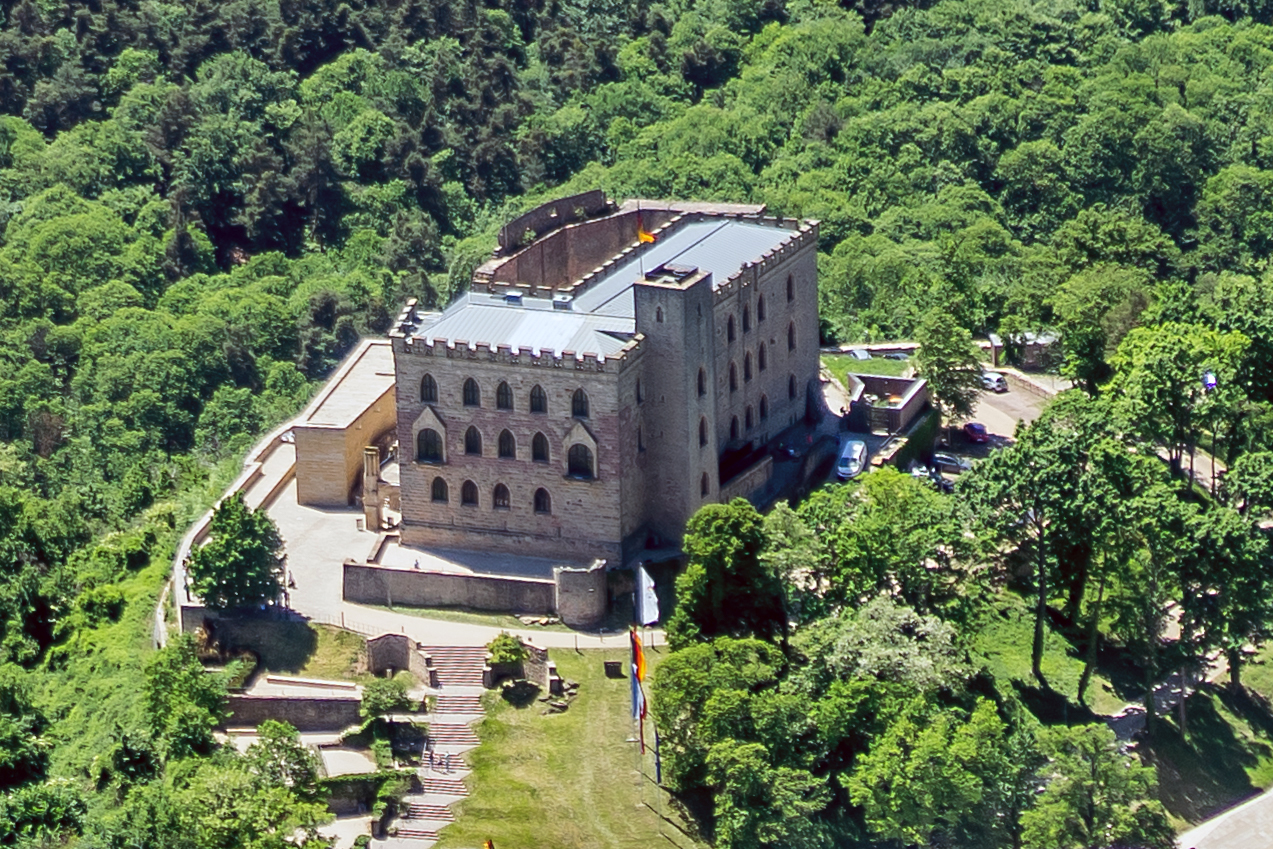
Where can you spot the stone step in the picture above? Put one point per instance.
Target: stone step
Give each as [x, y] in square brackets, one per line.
[422, 811]
[417, 833]
[440, 732]
[444, 786]
[458, 704]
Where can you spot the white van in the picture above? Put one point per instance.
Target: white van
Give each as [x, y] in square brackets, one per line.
[852, 460]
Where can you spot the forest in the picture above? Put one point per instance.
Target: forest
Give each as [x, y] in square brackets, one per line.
[204, 204]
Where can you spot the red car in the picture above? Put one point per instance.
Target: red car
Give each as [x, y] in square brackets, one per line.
[976, 432]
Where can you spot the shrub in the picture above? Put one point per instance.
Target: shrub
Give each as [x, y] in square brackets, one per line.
[507, 649]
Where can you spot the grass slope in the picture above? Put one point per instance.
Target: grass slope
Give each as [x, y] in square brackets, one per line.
[841, 364]
[1003, 641]
[565, 780]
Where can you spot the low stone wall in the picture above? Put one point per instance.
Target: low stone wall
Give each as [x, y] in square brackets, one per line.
[752, 480]
[366, 584]
[398, 651]
[1020, 382]
[305, 713]
[581, 598]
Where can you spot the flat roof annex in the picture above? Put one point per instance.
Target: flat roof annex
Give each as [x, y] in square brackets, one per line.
[602, 318]
[366, 375]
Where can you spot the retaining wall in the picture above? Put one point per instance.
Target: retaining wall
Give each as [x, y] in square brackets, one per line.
[305, 713]
[388, 586]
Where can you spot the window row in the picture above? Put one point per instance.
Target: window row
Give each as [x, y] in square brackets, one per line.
[760, 311]
[578, 458]
[504, 396]
[762, 362]
[748, 417]
[429, 445]
[500, 497]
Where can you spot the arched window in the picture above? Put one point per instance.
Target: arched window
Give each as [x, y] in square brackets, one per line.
[439, 491]
[543, 501]
[507, 446]
[791, 336]
[729, 329]
[791, 387]
[472, 395]
[764, 407]
[428, 389]
[747, 420]
[761, 358]
[539, 448]
[702, 432]
[760, 309]
[733, 378]
[499, 498]
[702, 383]
[472, 441]
[429, 446]
[579, 404]
[538, 399]
[579, 461]
[468, 494]
[733, 428]
[791, 288]
[704, 485]
[747, 367]
[658, 314]
[746, 319]
[503, 396]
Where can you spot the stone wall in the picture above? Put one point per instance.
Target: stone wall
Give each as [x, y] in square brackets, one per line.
[398, 651]
[383, 585]
[752, 480]
[581, 594]
[329, 459]
[585, 518]
[308, 713]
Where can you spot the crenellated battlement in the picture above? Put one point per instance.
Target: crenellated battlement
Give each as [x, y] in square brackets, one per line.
[746, 276]
[462, 349]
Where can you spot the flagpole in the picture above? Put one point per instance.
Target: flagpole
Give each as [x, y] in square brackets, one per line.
[640, 253]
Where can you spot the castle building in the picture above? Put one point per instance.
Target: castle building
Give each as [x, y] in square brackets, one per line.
[594, 388]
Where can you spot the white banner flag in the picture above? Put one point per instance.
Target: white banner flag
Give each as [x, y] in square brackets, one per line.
[647, 600]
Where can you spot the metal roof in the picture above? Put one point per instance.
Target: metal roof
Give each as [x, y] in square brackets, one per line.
[720, 247]
[601, 319]
[532, 323]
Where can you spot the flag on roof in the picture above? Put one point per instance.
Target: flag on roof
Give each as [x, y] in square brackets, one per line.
[643, 235]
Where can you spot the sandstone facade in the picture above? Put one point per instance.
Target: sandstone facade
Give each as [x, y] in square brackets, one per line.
[696, 368]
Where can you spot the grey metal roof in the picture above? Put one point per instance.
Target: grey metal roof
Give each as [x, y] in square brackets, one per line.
[531, 324]
[720, 247]
[602, 318]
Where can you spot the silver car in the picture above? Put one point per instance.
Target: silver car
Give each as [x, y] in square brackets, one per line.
[994, 381]
[852, 460]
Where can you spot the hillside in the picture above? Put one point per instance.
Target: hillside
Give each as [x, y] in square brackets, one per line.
[204, 204]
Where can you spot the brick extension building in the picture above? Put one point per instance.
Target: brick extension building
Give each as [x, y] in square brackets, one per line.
[590, 392]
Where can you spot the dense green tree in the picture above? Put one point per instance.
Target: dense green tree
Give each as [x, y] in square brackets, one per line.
[183, 703]
[951, 363]
[280, 759]
[241, 564]
[726, 589]
[1094, 797]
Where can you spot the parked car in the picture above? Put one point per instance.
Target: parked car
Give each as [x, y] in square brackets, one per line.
[952, 463]
[976, 432]
[852, 460]
[859, 353]
[994, 381]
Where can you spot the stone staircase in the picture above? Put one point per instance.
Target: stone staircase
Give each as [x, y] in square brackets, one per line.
[457, 703]
[458, 666]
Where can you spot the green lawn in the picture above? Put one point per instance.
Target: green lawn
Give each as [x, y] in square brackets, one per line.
[565, 780]
[1003, 643]
[616, 620]
[303, 649]
[841, 364]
